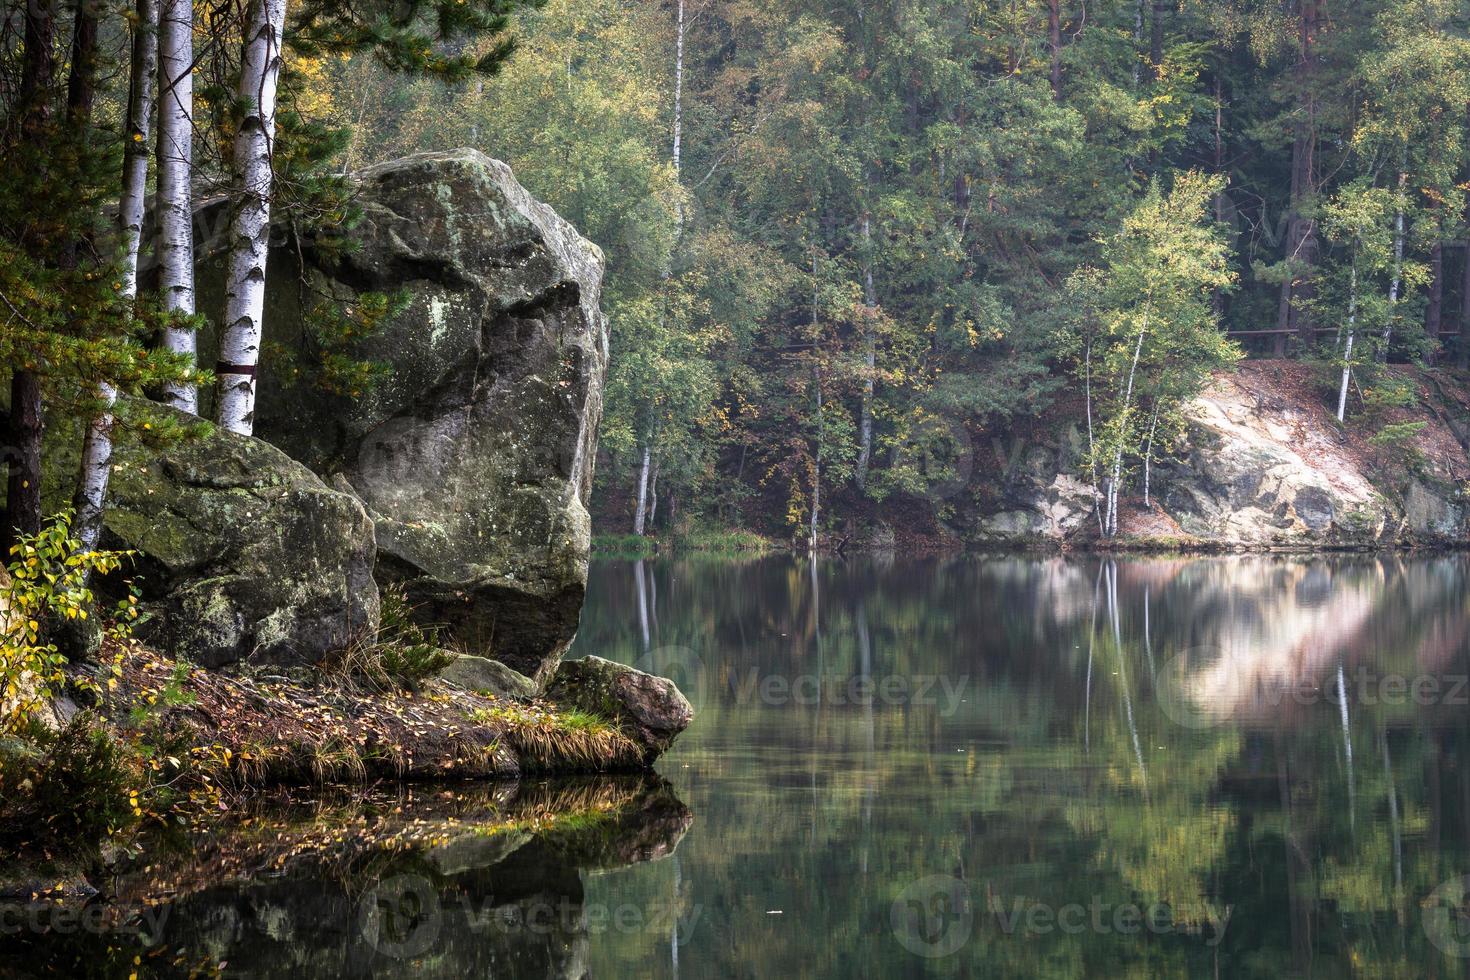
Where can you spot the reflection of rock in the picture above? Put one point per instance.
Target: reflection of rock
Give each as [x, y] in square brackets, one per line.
[649, 708]
[250, 555]
[452, 884]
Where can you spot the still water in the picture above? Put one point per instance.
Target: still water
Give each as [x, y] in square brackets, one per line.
[1071, 768]
[1242, 767]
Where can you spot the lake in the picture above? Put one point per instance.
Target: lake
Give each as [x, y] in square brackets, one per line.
[1234, 766]
[1027, 767]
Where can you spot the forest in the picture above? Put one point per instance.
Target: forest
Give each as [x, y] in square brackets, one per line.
[845, 245]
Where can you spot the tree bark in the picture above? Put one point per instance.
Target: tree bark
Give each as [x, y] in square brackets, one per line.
[1396, 281]
[250, 230]
[678, 86]
[642, 495]
[1054, 33]
[653, 492]
[23, 479]
[1434, 312]
[1156, 38]
[175, 202]
[1301, 242]
[96, 467]
[1347, 354]
[1462, 341]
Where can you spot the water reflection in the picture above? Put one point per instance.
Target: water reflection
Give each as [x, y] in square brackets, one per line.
[439, 882]
[1230, 766]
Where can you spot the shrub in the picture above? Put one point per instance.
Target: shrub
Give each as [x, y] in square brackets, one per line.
[46, 585]
[403, 652]
[71, 785]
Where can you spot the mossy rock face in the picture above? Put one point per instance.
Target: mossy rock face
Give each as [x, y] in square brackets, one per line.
[650, 709]
[487, 676]
[474, 454]
[247, 554]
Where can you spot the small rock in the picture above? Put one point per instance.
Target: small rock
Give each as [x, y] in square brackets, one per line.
[650, 709]
[488, 676]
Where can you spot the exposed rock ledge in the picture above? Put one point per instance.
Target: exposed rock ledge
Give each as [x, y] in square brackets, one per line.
[1263, 466]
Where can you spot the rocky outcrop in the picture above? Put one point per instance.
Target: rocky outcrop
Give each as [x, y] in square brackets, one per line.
[1262, 466]
[246, 554]
[649, 709]
[473, 453]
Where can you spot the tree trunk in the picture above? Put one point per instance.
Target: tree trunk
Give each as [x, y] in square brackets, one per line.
[250, 230]
[1116, 479]
[1054, 33]
[678, 87]
[870, 358]
[1434, 312]
[1148, 457]
[1347, 354]
[1462, 341]
[1396, 282]
[653, 493]
[1156, 38]
[642, 495]
[175, 202]
[23, 480]
[1301, 242]
[817, 384]
[91, 492]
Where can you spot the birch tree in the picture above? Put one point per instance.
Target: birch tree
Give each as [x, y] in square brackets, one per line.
[1148, 327]
[175, 201]
[96, 466]
[260, 71]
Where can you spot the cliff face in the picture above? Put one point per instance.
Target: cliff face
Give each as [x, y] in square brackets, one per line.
[1262, 465]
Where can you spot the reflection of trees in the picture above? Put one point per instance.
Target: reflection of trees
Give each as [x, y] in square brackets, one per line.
[1062, 777]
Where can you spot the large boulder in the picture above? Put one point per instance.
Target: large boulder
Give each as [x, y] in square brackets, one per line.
[649, 709]
[474, 453]
[247, 554]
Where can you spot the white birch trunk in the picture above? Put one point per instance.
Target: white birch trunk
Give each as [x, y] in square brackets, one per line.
[175, 202]
[679, 88]
[250, 230]
[96, 465]
[1092, 444]
[642, 495]
[1398, 269]
[1347, 354]
[653, 493]
[1148, 458]
[1117, 475]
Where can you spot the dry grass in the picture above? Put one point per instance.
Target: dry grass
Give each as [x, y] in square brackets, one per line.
[562, 741]
[283, 732]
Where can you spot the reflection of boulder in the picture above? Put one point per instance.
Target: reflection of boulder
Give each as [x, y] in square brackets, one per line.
[484, 882]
